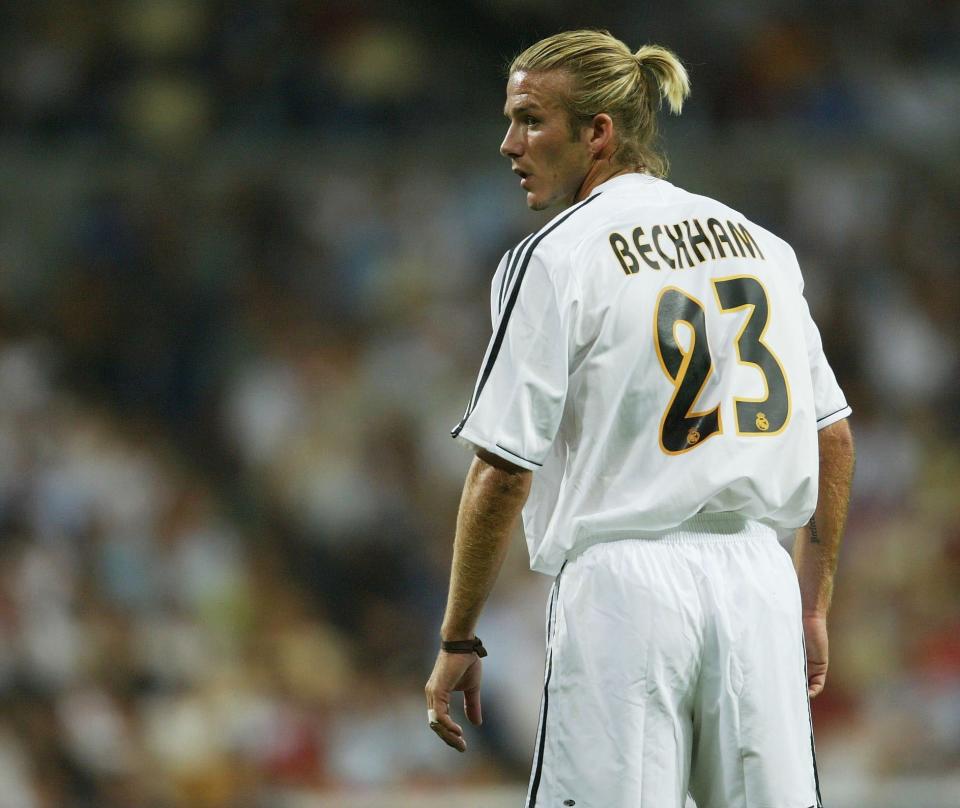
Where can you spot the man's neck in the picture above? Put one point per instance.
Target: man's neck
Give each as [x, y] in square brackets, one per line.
[599, 173]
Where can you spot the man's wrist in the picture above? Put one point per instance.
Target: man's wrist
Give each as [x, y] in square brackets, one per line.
[457, 636]
[472, 646]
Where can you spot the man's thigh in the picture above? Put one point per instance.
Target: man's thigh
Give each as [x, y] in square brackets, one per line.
[616, 727]
[753, 743]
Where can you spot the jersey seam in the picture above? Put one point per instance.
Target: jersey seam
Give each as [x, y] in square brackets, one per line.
[824, 418]
[510, 451]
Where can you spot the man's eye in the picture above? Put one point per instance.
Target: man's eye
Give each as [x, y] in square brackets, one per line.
[530, 120]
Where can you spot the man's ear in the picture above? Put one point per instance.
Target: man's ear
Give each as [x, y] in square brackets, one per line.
[601, 134]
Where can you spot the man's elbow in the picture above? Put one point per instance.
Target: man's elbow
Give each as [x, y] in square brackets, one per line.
[502, 476]
[838, 434]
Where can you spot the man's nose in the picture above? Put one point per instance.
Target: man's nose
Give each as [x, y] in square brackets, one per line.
[512, 145]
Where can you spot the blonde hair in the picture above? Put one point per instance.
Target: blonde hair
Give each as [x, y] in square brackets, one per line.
[608, 77]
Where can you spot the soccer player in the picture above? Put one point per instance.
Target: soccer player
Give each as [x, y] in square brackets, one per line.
[656, 400]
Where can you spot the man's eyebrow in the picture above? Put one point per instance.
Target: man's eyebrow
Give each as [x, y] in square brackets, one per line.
[520, 110]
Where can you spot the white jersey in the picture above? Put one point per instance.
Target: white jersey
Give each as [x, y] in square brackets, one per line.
[652, 358]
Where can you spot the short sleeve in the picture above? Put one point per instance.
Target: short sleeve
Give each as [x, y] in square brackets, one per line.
[829, 401]
[519, 396]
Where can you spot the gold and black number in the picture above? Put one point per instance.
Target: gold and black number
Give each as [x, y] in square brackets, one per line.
[769, 414]
[689, 368]
[682, 428]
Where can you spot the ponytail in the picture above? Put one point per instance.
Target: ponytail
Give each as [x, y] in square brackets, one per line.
[668, 71]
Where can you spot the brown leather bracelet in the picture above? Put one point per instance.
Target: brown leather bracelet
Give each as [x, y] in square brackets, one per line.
[473, 646]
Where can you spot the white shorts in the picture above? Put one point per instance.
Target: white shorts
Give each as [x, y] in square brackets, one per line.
[675, 664]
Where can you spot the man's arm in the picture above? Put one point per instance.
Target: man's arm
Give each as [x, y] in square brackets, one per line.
[493, 496]
[817, 547]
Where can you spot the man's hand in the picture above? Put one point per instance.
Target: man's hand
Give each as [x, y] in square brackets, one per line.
[815, 638]
[454, 672]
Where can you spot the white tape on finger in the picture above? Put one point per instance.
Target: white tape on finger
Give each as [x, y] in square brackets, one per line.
[432, 717]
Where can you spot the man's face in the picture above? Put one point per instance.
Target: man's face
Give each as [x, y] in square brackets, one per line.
[551, 161]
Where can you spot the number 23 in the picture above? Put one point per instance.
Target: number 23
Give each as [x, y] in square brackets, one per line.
[681, 428]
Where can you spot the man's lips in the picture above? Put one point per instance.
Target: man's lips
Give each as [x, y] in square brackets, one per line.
[524, 176]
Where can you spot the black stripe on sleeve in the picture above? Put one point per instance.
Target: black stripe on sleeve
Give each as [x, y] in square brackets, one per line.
[513, 258]
[824, 418]
[503, 278]
[526, 460]
[511, 269]
[511, 302]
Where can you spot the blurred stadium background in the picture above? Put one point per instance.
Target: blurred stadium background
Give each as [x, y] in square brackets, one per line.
[244, 257]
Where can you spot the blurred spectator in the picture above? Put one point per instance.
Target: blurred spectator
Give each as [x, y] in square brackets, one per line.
[244, 256]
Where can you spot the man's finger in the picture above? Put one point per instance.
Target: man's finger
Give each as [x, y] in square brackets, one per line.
[447, 723]
[471, 706]
[446, 728]
[449, 738]
[438, 716]
[816, 676]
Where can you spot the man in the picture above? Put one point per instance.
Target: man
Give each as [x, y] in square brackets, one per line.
[655, 398]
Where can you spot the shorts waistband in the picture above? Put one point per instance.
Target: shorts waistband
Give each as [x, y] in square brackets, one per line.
[702, 528]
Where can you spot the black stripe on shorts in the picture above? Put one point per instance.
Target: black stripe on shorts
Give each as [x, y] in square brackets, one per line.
[813, 746]
[538, 768]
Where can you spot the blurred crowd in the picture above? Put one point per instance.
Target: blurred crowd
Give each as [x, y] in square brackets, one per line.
[244, 258]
